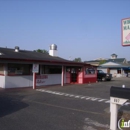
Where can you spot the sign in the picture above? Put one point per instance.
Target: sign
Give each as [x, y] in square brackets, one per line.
[125, 27]
[119, 101]
[40, 79]
[35, 68]
[123, 124]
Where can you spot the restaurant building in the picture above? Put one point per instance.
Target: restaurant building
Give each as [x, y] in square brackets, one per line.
[16, 69]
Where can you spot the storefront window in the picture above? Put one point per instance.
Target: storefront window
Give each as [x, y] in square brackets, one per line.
[50, 69]
[19, 69]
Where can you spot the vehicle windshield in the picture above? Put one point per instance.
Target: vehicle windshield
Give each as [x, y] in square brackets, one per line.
[100, 71]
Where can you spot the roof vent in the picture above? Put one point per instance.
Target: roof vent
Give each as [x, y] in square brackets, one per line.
[16, 49]
[53, 47]
[53, 50]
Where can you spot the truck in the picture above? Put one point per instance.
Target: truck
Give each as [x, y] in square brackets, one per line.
[103, 76]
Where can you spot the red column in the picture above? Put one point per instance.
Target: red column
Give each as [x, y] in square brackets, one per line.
[83, 74]
[62, 76]
[34, 80]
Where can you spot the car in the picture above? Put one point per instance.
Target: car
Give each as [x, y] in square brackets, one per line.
[103, 76]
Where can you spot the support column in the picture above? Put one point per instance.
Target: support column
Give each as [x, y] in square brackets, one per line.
[83, 74]
[62, 76]
[34, 80]
[114, 114]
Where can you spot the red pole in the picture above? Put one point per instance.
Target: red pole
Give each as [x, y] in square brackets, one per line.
[62, 76]
[34, 80]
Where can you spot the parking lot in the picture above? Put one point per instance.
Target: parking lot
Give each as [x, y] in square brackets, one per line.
[71, 107]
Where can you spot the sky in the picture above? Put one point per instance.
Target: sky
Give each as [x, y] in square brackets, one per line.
[88, 29]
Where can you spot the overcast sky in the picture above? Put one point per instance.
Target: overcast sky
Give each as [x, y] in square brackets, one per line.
[80, 28]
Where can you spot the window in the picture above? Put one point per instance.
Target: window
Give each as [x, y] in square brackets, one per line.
[51, 69]
[19, 69]
[90, 71]
[118, 71]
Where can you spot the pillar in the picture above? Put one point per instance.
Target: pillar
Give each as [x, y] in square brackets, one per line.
[62, 76]
[34, 80]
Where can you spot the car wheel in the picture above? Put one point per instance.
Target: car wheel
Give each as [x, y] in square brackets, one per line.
[103, 79]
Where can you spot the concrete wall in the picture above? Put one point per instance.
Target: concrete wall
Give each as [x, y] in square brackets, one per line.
[49, 79]
[2, 81]
[113, 72]
[18, 81]
[27, 81]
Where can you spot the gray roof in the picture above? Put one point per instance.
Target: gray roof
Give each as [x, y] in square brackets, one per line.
[8, 53]
[123, 65]
[117, 60]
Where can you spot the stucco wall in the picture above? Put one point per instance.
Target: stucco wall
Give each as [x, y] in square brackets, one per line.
[18, 81]
[2, 81]
[27, 81]
[113, 72]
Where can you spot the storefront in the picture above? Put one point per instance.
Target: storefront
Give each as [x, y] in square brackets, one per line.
[16, 70]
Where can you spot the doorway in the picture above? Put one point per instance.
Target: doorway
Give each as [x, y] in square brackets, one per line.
[74, 75]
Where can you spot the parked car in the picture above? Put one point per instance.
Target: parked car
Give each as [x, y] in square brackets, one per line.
[103, 76]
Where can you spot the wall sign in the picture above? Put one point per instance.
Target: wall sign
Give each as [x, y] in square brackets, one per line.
[35, 68]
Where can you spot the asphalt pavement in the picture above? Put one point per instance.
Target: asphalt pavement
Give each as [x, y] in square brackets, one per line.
[71, 107]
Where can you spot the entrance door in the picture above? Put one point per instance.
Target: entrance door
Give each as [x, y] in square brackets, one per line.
[74, 75]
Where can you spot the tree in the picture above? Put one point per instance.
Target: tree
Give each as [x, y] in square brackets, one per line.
[41, 51]
[77, 59]
[102, 62]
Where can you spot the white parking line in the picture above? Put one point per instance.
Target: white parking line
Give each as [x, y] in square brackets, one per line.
[87, 98]
[66, 94]
[94, 99]
[107, 101]
[82, 97]
[76, 96]
[101, 100]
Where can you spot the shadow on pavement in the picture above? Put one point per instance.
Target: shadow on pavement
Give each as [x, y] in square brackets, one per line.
[10, 104]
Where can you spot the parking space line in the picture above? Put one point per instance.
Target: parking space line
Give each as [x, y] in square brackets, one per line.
[101, 100]
[82, 97]
[107, 101]
[75, 96]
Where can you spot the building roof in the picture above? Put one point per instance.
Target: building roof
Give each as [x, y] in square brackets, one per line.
[118, 65]
[117, 60]
[10, 54]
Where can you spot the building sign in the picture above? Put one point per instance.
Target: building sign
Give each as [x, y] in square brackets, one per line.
[40, 79]
[35, 68]
[125, 25]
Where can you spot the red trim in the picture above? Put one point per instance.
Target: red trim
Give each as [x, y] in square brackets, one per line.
[2, 74]
[122, 33]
